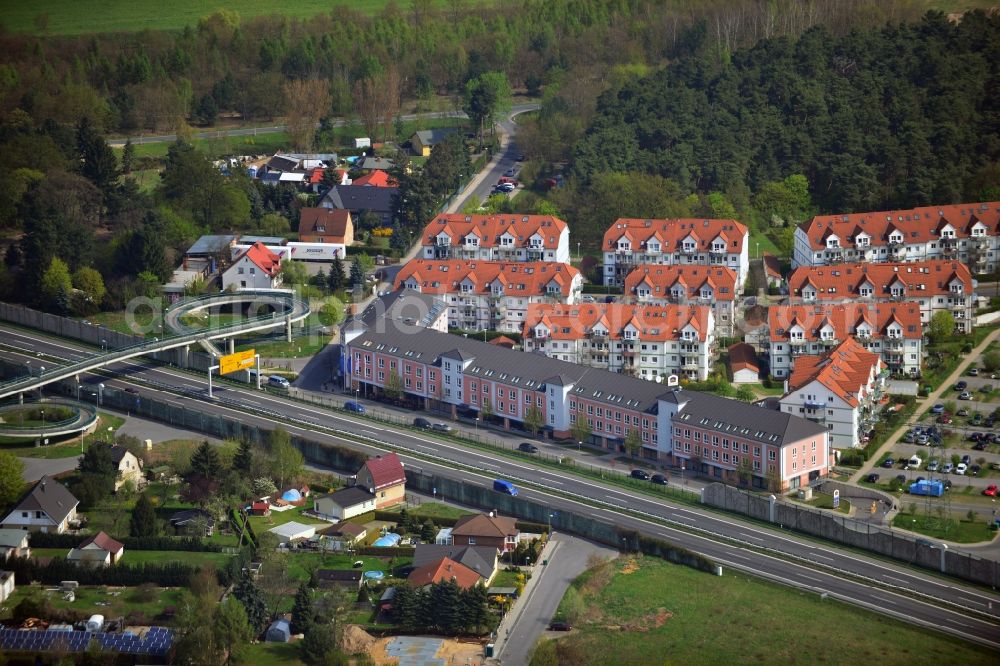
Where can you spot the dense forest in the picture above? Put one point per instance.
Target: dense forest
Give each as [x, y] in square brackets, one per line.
[891, 116]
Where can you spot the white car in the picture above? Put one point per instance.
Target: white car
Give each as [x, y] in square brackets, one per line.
[960, 469]
[278, 382]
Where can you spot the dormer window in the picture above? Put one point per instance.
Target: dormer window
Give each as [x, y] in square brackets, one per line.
[956, 288]
[862, 241]
[624, 246]
[832, 243]
[865, 290]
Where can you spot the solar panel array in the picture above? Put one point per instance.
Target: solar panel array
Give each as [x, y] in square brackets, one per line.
[156, 641]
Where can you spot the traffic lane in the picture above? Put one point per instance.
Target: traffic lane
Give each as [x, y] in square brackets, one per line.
[594, 491]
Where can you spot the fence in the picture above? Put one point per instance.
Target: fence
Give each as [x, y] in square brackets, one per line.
[849, 531]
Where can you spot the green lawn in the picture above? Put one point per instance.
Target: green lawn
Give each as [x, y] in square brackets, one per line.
[138, 324]
[434, 510]
[126, 601]
[822, 501]
[273, 654]
[959, 531]
[301, 347]
[666, 613]
[67, 448]
[262, 524]
[300, 564]
[137, 557]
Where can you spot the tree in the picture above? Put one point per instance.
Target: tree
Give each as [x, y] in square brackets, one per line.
[745, 394]
[248, 594]
[231, 627]
[486, 412]
[243, 460]
[486, 97]
[991, 361]
[286, 462]
[264, 487]
[428, 531]
[302, 609]
[319, 647]
[128, 154]
[941, 326]
[143, 523]
[144, 250]
[336, 278]
[307, 102]
[294, 273]
[633, 441]
[393, 387]
[581, 429]
[331, 312]
[56, 286]
[91, 284]
[357, 273]
[98, 164]
[11, 481]
[533, 419]
[205, 461]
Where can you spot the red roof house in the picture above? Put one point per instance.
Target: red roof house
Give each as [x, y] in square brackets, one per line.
[260, 509]
[376, 178]
[256, 268]
[444, 569]
[99, 549]
[383, 476]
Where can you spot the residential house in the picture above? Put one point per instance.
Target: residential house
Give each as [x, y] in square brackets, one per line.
[934, 285]
[743, 365]
[772, 271]
[129, 467]
[375, 163]
[444, 569]
[405, 307]
[14, 543]
[47, 507]
[967, 232]
[840, 390]
[442, 372]
[688, 285]
[293, 531]
[348, 579]
[345, 503]
[326, 225]
[383, 476]
[501, 237]
[98, 550]
[489, 295]
[296, 168]
[483, 529]
[211, 247]
[484, 560]
[190, 521]
[892, 330]
[631, 243]
[345, 533]
[423, 141]
[376, 178]
[260, 508]
[359, 200]
[256, 268]
[648, 341]
[7, 585]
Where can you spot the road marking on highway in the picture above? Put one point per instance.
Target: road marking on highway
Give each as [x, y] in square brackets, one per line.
[750, 536]
[742, 557]
[823, 557]
[818, 580]
[887, 601]
[558, 483]
[963, 624]
[905, 582]
[682, 517]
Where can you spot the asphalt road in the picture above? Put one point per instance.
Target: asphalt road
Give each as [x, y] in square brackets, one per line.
[274, 129]
[568, 557]
[966, 611]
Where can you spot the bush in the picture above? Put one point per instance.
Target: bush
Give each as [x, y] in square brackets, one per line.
[171, 574]
[186, 544]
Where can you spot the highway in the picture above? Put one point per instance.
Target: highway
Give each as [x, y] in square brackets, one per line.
[965, 611]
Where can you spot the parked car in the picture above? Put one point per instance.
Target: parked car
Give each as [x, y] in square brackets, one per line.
[909, 437]
[979, 446]
[937, 409]
[962, 385]
[440, 427]
[278, 382]
[966, 458]
[658, 479]
[947, 484]
[888, 463]
[944, 418]
[962, 412]
[961, 468]
[977, 418]
[356, 407]
[932, 465]
[873, 478]
[948, 468]
[965, 395]
[923, 439]
[640, 474]
[990, 490]
[527, 447]
[901, 478]
[560, 626]
[974, 470]
[511, 172]
[421, 422]
[973, 371]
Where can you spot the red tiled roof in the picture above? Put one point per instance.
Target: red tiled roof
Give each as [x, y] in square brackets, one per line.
[102, 541]
[386, 470]
[263, 258]
[721, 279]
[916, 225]
[842, 281]
[654, 322]
[331, 222]
[772, 267]
[376, 178]
[672, 233]
[260, 506]
[743, 357]
[503, 341]
[845, 370]
[844, 319]
[483, 525]
[444, 569]
[444, 276]
[489, 229]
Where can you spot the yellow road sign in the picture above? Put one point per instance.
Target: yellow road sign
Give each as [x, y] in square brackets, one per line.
[238, 361]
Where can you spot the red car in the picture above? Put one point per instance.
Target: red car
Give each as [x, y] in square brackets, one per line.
[990, 491]
[944, 418]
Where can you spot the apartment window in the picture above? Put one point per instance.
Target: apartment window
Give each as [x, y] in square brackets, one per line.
[756, 452]
[420, 386]
[527, 399]
[697, 436]
[687, 446]
[408, 382]
[406, 370]
[745, 447]
[687, 434]
[381, 363]
[725, 457]
[431, 375]
[725, 444]
[420, 372]
[381, 376]
[677, 432]
[715, 455]
[771, 455]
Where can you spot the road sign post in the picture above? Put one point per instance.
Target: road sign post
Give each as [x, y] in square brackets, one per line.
[235, 362]
[836, 499]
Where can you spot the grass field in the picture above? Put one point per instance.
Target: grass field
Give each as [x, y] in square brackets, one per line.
[274, 654]
[126, 601]
[959, 531]
[139, 557]
[665, 613]
[437, 510]
[263, 144]
[67, 448]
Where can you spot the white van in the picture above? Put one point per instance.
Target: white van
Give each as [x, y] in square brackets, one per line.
[914, 462]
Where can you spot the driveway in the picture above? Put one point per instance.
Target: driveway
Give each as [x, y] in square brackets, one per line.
[36, 468]
[567, 556]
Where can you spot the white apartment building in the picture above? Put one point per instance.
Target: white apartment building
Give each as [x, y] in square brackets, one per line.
[647, 341]
[496, 238]
[934, 285]
[969, 233]
[634, 242]
[490, 295]
[842, 390]
[891, 330]
[715, 286]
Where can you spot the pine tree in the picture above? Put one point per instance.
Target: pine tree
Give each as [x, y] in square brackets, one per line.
[248, 594]
[143, 523]
[336, 279]
[302, 610]
[128, 153]
[205, 461]
[357, 274]
[243, 460]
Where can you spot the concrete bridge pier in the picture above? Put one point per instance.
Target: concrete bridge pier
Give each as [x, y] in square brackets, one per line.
[231, 342]
[186, 356]
[288, 329]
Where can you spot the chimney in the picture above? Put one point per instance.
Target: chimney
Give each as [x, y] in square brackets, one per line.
[491, 514]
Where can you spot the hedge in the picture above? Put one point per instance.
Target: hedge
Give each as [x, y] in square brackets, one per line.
[372, 250]
[187, 544]
[390, 551]
[170, 574]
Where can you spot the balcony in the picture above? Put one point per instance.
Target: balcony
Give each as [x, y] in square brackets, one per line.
[897, 250]
[690, 363]
[898, 296]
[797, 342]
[893, 344]
[830, 342]
[688, 249]
[718, 250]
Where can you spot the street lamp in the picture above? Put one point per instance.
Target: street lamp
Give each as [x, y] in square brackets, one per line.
[100, 394]
[104, 344]
[579, 446]
[551, 515]
[110, 428]
[477, 426]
